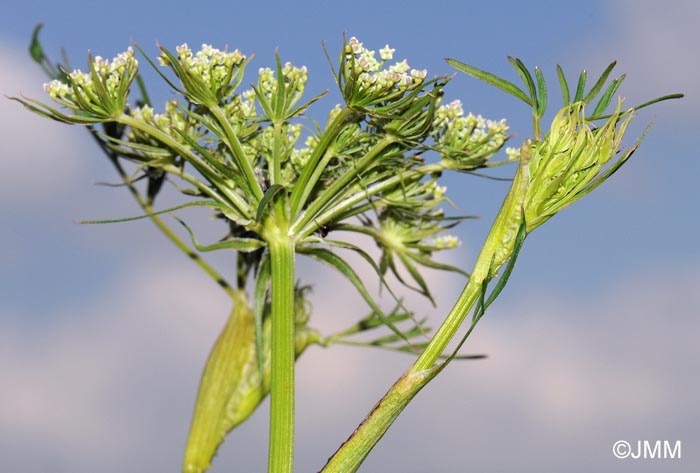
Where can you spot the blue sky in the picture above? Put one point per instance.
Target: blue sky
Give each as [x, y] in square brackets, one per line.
[103, 329]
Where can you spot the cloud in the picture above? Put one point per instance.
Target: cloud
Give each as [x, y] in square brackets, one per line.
[111, 378]
[107, 384]
[653, 40]
[39, 156]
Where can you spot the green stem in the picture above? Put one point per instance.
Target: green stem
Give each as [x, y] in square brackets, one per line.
[192, 158]
[310, 175]
[364, 195]
[342, 182]
[278, 144]
[281, 454]
[158, 222]
[237, 150]
[353, 452]
[497, 249]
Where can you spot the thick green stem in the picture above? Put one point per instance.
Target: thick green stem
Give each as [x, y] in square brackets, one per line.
[281, 455]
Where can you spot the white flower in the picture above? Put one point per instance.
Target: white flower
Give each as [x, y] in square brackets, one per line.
[387, 53]
[446, 242]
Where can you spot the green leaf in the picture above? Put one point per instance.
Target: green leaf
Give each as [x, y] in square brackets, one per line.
[301, 108]
[145, 99]
[563, 85]
[35, 49]
[607, 96]
[196, 203]
[49, 112]
[526, 78]
[431, 263]
[280, 102]
[610, 170]
[262, 282]
[371, 321]
[335, 261]
[659, 99]
[243, 245]
[421, 346]
[600, 83]
[157, 69]
[541, 92]
[371, 262]
[491, 79]
[580, 86]
[417, 277]
[264, 103]
[267, 198]
[503, 278]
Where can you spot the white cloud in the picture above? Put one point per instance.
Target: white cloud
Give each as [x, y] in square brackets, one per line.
[40, 157]
[100, 381]
[654, 42]
[111, 382]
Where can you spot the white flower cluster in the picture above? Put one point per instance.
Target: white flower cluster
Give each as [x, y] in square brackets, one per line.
[209, 63]
[446, 242]
[171, 120]
[246, 103]
[295, 79]
[115, 76]
[300, 156]
[241, 110]
[470, 133]
[372, 79]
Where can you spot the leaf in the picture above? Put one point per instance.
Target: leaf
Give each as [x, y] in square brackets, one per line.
[607, 96]
[526, 78]
[196, 203]
[659, 99]
[491, 79]
[372, 263]
[157, 69]
[280, 102]
[563, 85]
[50, 112]
[145, 99]
[262, 282]
[580, 86]
[421, 346]
[243, 245]
[267, 198]
[599, 84]
[503, 278]
[335, 261]
[541, 92]
[35, 49]
[417, 277]
[226, 379]
[431, 263]
[301, 108]
[264, 103]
